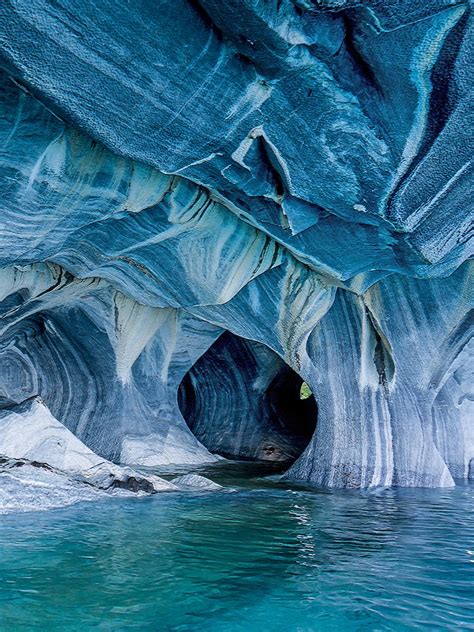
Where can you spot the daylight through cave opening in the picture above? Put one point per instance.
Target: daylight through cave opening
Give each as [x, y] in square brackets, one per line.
[243, 402]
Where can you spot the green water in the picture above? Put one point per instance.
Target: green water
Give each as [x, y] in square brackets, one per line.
[266, 556]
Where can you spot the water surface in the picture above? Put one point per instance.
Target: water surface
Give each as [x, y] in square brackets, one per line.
[266, 556]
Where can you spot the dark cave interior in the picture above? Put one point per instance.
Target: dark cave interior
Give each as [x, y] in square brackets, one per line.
[243, 402]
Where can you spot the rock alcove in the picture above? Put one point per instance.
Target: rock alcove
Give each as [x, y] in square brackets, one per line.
[241, 401]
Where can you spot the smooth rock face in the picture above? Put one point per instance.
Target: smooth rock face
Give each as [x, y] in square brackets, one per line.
[30, 432]
[196, 481]
[295, 173]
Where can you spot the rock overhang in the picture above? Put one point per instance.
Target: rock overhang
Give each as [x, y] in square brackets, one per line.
[280, 187]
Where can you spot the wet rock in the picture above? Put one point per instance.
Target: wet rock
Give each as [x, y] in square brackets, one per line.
[30, 435]
[32, 486]
[196, 481]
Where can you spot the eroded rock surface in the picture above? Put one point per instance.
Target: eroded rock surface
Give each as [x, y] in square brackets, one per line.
[296, 173]
[31, 436]
[242, 401]
[34, 486]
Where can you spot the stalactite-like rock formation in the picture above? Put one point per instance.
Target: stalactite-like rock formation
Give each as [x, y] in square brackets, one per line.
[280, 191]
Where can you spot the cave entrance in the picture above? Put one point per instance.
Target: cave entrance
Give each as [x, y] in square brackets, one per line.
[243, 402]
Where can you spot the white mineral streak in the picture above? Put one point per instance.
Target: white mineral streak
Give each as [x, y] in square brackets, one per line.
[34, 279]
[135, 326]
[306, 187]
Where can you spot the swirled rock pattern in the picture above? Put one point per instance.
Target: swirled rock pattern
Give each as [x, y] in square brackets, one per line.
[297, 173]
[242, 401]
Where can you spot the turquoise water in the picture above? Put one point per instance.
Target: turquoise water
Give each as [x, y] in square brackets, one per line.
[264, 557]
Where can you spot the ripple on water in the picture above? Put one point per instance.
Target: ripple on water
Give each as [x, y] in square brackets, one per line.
[266, 557]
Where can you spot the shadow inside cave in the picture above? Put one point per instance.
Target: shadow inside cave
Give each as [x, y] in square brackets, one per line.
[243, 402]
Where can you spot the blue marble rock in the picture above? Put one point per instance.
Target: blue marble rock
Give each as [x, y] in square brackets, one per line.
[255, 189]
[243, 402]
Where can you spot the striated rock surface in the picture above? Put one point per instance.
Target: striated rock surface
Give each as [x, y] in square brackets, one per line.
[291, 179]
[242, 401]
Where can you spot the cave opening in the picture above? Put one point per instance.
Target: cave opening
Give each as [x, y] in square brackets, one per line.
[242, 402]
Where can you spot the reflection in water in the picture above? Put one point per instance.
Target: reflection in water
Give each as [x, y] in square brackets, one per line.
[264, 557]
